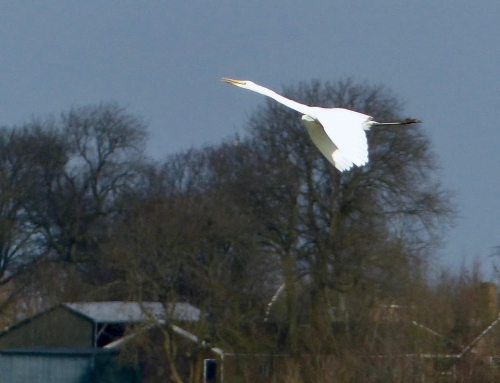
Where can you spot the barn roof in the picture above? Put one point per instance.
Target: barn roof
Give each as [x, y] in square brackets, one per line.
[122, 312]
[130, 312]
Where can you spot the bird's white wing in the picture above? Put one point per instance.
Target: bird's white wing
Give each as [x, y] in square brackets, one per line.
[325, 144]
[345, 129]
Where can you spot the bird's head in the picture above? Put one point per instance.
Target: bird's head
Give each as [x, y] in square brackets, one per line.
[241, 83]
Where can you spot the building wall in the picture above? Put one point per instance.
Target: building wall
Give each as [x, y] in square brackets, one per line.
[60, 367]
[55, 328]
[19, 369]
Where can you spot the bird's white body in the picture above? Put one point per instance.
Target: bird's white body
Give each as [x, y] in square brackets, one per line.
[338, 133]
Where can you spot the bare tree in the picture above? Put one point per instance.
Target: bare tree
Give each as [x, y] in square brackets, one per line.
[339, 230]
[61, 182]
[25, 151]
[185, 237]
[73, 204]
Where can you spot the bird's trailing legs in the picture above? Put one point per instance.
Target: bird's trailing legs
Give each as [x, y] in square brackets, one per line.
[406, 121]
[368, 124]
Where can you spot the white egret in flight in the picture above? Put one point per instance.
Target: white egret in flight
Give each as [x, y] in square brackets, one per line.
[338, 133]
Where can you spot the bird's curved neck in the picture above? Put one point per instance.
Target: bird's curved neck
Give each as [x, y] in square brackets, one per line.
[301, 108]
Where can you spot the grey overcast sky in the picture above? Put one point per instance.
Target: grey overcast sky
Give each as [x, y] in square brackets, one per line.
[164, 60]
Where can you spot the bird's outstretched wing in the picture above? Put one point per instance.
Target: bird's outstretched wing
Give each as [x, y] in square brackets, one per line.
[345, 129]
[325, 144]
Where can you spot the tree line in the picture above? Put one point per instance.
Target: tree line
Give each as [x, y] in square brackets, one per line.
[86, 215]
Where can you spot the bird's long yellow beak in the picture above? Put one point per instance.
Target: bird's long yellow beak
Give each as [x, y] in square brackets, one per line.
[233, 81]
